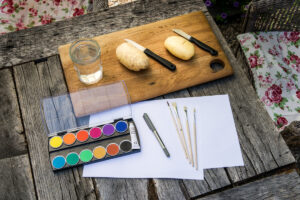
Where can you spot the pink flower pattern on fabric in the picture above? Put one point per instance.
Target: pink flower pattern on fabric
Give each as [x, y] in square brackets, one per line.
[274, 59]
[21, 14]
[274, 94]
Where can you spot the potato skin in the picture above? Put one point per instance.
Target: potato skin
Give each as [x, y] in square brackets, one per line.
[180, 47]
[131, 57]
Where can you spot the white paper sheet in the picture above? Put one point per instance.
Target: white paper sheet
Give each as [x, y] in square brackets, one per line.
[217, 140]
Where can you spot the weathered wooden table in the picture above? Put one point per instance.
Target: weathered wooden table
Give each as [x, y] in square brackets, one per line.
[30, 69]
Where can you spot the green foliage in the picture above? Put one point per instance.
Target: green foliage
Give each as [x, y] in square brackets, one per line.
[31, 24]
[278, 75]
[66, 10]
[10, 28]
[283, 102]
[295, 77]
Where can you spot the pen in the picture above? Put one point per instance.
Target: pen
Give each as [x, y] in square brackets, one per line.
[153, 129]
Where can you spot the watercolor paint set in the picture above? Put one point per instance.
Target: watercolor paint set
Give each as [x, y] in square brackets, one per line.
[72, 141]
[86, 145]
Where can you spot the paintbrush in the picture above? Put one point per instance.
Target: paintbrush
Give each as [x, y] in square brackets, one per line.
[181, 130]
[189, 135]
[178, 133]
[195, 141]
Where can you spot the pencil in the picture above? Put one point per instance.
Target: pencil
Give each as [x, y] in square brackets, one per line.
[180, 138]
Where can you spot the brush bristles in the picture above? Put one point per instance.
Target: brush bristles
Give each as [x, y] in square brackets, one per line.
[174, 104]
[185, 108]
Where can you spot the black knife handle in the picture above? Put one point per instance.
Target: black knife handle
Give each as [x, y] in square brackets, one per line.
[161, 60]
[204, 46]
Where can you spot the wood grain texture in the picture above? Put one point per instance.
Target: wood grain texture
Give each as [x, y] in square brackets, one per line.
[34, 82]
[284, 186]
[168, 189]
[262, 146]
[111, 189]
[23, 46]
[157, 80]
[16, 178]
[12, 140]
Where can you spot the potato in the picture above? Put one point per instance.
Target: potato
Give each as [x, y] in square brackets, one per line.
[180, 47]
[131, 57]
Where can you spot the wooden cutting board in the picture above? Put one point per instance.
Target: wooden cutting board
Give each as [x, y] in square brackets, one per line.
[157, 80]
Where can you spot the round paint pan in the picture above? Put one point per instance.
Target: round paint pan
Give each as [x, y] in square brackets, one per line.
[69, 138]
[72, 158]
[86, 155]
[121, 126]
[55, 142]
[95, 132]
[99, 152]
[82, 135]
[58, 162]
[125, 146]
[112, 149]
[108, 129]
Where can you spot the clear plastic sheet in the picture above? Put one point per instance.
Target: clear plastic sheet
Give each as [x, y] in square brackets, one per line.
[72, 110]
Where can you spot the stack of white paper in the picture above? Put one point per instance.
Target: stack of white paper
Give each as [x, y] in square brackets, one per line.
[217, 140]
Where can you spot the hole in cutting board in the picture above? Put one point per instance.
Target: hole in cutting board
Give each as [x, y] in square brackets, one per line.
[217, 65]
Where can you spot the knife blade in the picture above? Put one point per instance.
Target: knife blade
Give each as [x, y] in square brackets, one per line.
[197, 42]
[152, 55]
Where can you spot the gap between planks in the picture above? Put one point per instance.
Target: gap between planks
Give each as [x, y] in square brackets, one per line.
[280, 186]
[16, 173]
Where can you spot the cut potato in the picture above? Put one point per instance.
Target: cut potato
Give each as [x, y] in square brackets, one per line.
[131, 57]
[180, 47]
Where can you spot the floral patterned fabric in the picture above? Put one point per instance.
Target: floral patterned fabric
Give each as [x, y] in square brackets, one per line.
[21, 14]
[274, 59]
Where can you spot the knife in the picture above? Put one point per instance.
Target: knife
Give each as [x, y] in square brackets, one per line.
[197, 42]
[154, 56]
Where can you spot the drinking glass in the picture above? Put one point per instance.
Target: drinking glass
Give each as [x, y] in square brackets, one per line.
[85, 54]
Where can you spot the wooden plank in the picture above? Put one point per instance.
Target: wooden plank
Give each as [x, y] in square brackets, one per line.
[119, 188]
[168, 189]
[15, 170]
[16, 178]
[213, 179]
[283, 186]
[34, 82]
[12, 140]
[262, 146]
[23, 46]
